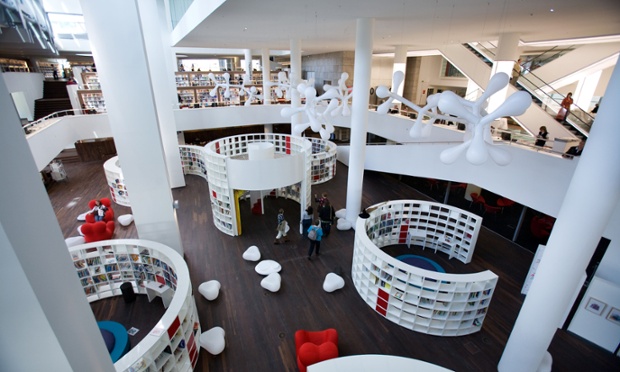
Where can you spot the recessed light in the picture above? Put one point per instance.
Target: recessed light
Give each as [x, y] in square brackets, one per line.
[552, 10]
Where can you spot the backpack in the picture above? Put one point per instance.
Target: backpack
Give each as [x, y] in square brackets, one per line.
[312, 234]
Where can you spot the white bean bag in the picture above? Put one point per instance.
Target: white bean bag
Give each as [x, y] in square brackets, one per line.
[271, 282]
[341, 213]
[251, 254]
[125, 219]
[332, 282]
[213, 340]
[79, 230]
[75, 240]
[82, 217]
[210, 290]
[343, 224]
[266, 267]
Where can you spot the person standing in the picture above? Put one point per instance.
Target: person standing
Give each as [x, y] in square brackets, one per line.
[54, 72]
[326, 216]
[317, 232]
[542, 136]
[565, 110]
[306, 220]
[321, 201]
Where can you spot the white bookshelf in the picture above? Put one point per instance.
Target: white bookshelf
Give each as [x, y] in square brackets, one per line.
[436, 226]
[116, 182]
[425, 301]
[324, 157]
[101, 267]
[193, 160]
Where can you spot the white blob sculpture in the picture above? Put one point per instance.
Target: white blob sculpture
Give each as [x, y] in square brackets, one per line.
[252, 92]
[318, 110]
[477, 143]
[210, 289]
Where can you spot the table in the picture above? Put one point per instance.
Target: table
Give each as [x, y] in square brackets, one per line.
[154, 289]
[371, 363]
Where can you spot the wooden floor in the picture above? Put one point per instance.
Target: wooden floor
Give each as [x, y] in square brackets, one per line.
[260, 325]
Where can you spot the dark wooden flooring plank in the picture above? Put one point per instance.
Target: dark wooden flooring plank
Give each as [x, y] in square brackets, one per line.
[260, 325]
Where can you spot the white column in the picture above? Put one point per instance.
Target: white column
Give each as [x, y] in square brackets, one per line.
[266, 84]
[359, 116]
[585, 90]
[400, 64]
[47, 323]
[162, 66]
[575, 235]
[505, 58]
[295, 79]
[247, 66]
[117, 40]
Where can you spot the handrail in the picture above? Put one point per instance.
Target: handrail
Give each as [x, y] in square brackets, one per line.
[30, 127]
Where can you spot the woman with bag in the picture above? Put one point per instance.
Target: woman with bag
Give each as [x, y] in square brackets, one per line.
[315, 233]
[565, 109]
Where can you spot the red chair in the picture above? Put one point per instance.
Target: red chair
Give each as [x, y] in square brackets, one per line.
[490, 209]
[541, 227]
[109, 213]
[477, 199]
[315, 346]
[96, 231]
[504, 203]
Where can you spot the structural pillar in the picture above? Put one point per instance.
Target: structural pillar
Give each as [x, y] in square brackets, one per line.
[266, 63]
[575, 235]
[400, 64]
[47, 323]
[359, 116]
[119, 47]
[584, 92]
[247, 66]
[162, 66]
[295, 79]
[505, 58]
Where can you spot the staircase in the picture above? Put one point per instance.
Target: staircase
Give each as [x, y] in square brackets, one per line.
[55, 98]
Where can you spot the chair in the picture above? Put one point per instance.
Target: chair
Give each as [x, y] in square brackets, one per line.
[271, 282]
[477, 199]
[252, 254]
[210, 290]
[332, 282]
[94, 232]
[315, 346]
[491, 209]
[213, 340]
[504, 203]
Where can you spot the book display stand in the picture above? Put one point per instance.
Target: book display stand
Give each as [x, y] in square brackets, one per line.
[421, 300]
[152, 269]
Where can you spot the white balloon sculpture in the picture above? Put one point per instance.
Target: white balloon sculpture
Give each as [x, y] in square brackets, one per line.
[316, 110]
[477, 139]
[251, 92]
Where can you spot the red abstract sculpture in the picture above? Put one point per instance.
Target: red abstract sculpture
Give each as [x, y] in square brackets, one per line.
[96, 231]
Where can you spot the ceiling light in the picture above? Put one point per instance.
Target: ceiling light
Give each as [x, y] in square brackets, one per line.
[551, 10]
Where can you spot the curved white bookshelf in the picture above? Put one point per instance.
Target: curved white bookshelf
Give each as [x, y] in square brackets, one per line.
[425, 301]
[116, 183]
[174, 343]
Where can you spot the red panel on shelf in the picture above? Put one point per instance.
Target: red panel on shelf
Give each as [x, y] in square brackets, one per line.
[288, 145]
[217, 147]
[382, 303]
[191, 343]
[214, 194]
[381, 310]
[173, 327]
[402, 237]
[383, 294]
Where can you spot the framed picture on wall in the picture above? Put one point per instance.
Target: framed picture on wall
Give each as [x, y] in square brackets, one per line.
[614, 316]
[596, 306]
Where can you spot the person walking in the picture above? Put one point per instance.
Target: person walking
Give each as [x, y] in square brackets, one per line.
[306, 220]
[315, 234]
[282, 228]
[516, 72]
[565, 110]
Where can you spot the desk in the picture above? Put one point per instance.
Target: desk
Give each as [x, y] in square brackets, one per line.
[154, 289]
[370, 363]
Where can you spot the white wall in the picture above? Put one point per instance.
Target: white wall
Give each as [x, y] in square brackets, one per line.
[31, 84]
[381, 73]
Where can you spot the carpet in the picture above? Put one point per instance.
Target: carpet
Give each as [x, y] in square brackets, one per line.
[421, 262]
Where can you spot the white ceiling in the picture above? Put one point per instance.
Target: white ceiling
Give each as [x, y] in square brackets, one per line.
[329, 25]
